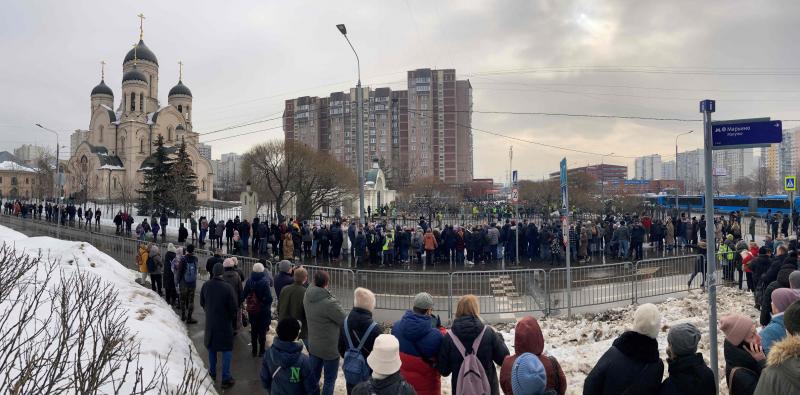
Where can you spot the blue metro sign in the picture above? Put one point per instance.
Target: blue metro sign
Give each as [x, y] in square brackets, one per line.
[745, 133]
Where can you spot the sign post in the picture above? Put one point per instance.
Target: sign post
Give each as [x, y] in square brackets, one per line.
[565, 231]
[515, 200]
[790, 185]
[741, 133]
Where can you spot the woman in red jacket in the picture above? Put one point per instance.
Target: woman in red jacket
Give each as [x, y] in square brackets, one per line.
[528, 338]
[748, 257]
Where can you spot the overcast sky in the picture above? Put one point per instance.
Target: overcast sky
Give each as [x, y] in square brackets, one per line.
[243, 58]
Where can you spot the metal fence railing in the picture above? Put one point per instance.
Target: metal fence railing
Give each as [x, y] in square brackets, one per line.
[498, 291]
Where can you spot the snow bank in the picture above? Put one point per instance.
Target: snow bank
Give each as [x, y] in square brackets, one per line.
[159, 330]
[579, 343]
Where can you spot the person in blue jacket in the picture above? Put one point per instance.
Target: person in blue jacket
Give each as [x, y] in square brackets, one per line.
[775, 331]
[285, 370]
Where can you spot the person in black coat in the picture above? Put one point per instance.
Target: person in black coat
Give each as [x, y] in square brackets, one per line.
[213, 260]
[358, 322]
[259, 286]
[688, 372]
[782, 281]
[744, 357]
[775, 266]
[467, 327]
[183, 233]
[632, 365]
[170, 292]
[218, 299]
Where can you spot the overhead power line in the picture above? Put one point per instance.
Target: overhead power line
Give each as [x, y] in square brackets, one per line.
[244, 134]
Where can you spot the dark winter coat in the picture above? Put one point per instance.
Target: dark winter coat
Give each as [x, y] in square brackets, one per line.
[325, 317]
[392, 385]
[689, 375]
[528, 338]
[287, 356]
[218, 299]
[759, 266]
[782, 374]
[231, 276]
[210, 262]
[419, 341]
[183, 233]
[738, 357]
[282, 280]
[169, 276]
[491, 351]
[291, 306]
[632, 363]
[359, 321]
[781, 281]
[259, 283]
[229, 228]
[774, 267]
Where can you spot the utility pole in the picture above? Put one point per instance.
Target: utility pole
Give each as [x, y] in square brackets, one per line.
[707, 107]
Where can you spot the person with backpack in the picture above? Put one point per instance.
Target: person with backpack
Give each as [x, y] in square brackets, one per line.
[170, 292]
[384, 361]
[142, 254]
[471, 350]
[420, 336]
[528, 338]
[632, 365]
[155, 267]
[688, 372]
[325, 317]
[218, 299]
[744, 357]
[285, 370]
[357, 338]
[187, 283]
[258, 302]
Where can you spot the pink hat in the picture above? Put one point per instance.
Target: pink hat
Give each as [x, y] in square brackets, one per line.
[736, 328]
[228, 262]
[783, 297]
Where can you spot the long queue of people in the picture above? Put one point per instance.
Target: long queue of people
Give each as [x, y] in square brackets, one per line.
[62, 214]
[315, 337]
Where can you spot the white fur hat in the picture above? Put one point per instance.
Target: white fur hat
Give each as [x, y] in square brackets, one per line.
[647, 320]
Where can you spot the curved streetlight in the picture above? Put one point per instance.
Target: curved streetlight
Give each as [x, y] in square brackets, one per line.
[359, 130]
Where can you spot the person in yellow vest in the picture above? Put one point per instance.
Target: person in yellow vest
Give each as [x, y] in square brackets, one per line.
[725, 255]
[141, 260]
[388, 248]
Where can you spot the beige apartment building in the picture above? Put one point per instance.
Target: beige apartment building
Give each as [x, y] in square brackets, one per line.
[424, 131]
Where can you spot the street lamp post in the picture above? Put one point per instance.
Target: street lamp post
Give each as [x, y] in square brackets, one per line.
[359, 131]
[677, 191]
[603, 178]
[58, 183]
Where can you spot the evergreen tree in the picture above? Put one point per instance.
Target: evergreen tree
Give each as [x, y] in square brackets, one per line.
[156, 184]
[183, 188]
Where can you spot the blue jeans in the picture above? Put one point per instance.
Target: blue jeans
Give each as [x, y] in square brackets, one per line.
[314, 244]
[623, 248]
[226, 364]
[331, 370]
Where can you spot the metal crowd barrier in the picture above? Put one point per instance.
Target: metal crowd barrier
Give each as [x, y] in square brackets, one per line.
[498, 291]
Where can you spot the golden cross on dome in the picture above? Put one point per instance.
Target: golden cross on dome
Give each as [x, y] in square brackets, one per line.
[141, 25]
[180, 70]
[102, 70]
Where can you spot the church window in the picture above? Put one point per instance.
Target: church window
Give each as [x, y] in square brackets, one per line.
[133, 101]
[180, 108]
[101, 134]
[141, 102]
[115, 182]
[203, 183]
[141, 146]
[169, 133]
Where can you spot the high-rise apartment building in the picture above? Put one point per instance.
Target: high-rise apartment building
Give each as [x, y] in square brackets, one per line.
[29, 153]
[648, 167]
[690, 170]
[76, 138]
[425, 131]
[781, 159]
[228, 172]
[205, 150]
[732, 165]
[668, 170]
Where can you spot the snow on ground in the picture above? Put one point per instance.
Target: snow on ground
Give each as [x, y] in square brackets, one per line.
[578, 344]
[155, 325]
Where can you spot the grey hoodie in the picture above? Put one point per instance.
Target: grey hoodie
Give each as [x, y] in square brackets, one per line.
[325, 317]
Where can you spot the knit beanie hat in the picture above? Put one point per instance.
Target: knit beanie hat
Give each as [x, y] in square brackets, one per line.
[288, 329]
[170, 247]
[218, 270]
[683, 339]
[228, 262]
[783, 297]
[794, 279]
[791, 318]
[647, 320]
[258, 268]
[423, 301]
[284, 266]
[736, 327]
[385, 356]
[528, 375]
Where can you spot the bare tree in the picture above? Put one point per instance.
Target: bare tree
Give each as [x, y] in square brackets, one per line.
[764, 181]
[271, 168]
[68, 335]
[127, 194]
[323, 181]
[45, 177]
